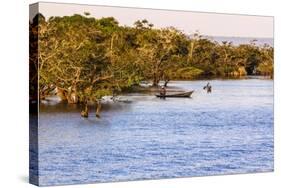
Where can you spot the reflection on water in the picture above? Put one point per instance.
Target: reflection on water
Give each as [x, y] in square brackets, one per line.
[225, 132]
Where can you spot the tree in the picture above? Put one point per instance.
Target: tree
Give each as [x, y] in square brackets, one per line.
[266, 66]
[72, 57]
[157, 51]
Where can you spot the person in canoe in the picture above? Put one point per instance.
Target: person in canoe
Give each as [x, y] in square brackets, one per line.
[163, 92]
[208, 87]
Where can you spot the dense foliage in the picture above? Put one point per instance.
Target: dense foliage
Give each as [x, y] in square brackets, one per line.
[82, 58]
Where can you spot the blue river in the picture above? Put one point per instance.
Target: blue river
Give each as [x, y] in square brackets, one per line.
[228, 131]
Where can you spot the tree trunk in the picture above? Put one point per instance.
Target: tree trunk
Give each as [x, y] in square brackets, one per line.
[190, 54]
[155, 83]
[45, 91]
[61, 94]
[155, 80]
[72, 97]
[98, 109]
[85, 112]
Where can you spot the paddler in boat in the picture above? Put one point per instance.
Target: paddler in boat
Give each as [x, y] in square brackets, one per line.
[163, 92]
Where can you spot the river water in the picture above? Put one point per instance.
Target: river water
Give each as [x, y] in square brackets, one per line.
[226, 132]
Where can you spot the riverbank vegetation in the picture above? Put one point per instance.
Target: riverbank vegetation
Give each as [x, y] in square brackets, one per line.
[82, 59]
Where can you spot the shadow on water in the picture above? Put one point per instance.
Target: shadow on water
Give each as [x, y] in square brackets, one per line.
[61, 107]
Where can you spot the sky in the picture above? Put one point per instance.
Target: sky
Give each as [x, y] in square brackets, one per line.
[211, 24]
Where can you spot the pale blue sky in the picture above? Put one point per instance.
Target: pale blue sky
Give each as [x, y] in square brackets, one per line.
[206, 23]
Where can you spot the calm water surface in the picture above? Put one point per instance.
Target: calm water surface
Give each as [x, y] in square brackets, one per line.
[228, 131]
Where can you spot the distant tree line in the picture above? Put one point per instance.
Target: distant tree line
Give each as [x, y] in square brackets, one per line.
[82, 58]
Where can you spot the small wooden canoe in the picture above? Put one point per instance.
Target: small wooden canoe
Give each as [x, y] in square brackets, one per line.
[177, 95]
